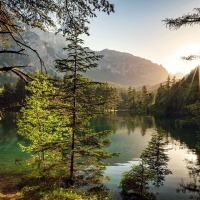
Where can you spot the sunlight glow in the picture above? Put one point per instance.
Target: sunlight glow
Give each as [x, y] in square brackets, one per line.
[173, 62]
[191, 83]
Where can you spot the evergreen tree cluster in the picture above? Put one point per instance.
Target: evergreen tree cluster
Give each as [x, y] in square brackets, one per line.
[175, 97]
[113, 96]
[55, 119]
[139, 101]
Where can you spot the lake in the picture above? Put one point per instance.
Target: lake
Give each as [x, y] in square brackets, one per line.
[130, 137]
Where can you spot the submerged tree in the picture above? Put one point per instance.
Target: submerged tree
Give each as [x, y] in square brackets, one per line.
[87, 153]
[134, 183]
[156, 158]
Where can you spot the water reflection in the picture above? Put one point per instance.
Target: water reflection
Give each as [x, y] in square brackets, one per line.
[186, 136]
[135, 183]
[131, 135]
[193, 186]
[153, 168]
[156, 157]
[122, 120]
[9, 150]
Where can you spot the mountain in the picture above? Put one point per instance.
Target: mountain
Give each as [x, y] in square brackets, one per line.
[126, 69]
[116, 67]
[48, 45]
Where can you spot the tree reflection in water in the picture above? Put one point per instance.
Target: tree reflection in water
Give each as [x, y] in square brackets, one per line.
[192, 187]
[135, 183]
[156, 158]
[152, 168]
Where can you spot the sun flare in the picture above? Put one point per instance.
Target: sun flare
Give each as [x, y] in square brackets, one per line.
[174, 62]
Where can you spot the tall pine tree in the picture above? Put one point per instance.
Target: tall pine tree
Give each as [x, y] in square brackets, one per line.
[86, 149]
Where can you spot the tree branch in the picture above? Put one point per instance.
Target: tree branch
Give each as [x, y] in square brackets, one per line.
[188, 19]
[17, 71]
[15, 52]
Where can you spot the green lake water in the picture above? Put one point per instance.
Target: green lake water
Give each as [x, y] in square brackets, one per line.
[130, 137]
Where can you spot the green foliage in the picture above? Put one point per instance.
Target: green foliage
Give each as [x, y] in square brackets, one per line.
[194, 116]
[173, 98]
[86, 148]
[180, 99]
[135, 181]
[42, 127]
[110, 96]
[137, 178]
[131, 103]
[61, 194]
[139, 101]
[192, 119]
[71, 194]
[152, 168]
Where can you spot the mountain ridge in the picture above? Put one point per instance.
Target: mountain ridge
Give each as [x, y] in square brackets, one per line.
[126, 69]
[117, 67]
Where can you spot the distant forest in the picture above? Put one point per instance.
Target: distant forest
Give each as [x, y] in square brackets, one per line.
[177, 98]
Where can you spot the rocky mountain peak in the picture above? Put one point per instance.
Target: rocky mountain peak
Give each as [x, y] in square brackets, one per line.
[117, 67]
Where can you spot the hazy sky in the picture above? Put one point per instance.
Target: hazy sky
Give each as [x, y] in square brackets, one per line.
[136, 27]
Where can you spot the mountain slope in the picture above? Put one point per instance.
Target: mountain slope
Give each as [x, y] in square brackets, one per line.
[126, 69]
[116, 67]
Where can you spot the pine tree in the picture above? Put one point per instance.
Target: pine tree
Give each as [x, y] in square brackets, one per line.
[104, 90]
[86, 147]
[173, 80]
[144, 100]
[131, 104]
[20, 92]
[168, 84]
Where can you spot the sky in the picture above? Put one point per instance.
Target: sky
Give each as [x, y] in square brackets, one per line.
[136, 27]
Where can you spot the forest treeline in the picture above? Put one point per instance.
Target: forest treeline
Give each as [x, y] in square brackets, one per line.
[115, 97]
[68, 157]
[180, 99]
[177, 98]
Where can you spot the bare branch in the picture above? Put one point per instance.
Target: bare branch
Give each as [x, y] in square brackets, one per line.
[6, 69]
[21, 74]
[17, 71]
[15, 52]
[20, 44]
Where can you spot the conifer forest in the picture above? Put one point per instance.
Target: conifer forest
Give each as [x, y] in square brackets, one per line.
[83, 124]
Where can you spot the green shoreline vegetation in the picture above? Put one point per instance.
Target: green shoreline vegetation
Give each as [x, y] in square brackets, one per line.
[66, 158]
